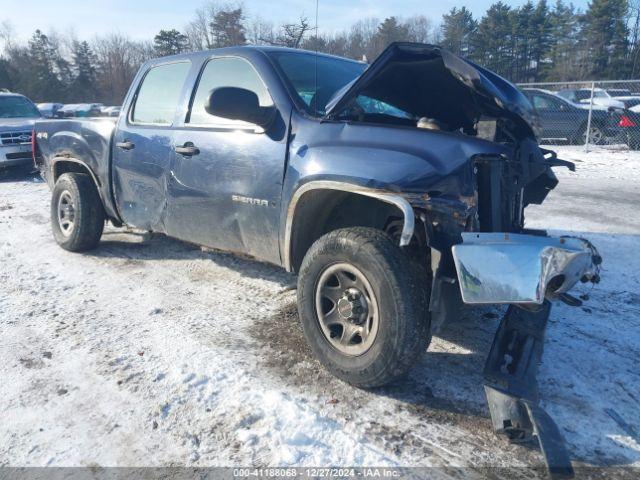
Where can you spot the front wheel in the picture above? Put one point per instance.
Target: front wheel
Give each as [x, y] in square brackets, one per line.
[363, 307]
[77, 214]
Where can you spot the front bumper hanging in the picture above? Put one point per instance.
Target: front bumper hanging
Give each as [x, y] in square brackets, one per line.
[521, 269]
[511, 387]
[524, 271]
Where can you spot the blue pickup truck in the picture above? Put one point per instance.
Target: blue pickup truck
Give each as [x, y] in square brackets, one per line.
[396, 191]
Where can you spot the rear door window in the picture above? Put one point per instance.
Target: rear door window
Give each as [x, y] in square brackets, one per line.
[545, 103]
[159, 94]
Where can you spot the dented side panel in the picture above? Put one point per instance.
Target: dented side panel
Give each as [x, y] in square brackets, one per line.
[140, 176]
[428, 168]
[83, 141]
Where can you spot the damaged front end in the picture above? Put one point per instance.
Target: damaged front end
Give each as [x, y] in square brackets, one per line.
[473, 217]
[525, 271]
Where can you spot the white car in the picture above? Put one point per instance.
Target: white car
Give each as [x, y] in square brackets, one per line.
[112, 111]
[582, 97]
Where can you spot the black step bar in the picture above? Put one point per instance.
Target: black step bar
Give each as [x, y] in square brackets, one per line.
[512, 390]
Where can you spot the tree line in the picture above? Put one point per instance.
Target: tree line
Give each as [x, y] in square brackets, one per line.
[531, 43]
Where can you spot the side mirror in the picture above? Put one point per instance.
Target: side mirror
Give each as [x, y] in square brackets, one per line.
[238, 104]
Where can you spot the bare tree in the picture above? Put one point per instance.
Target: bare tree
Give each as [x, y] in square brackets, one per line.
[261, 32]
[634, 21]
[291, 34]
[7, 33]
[198, 31]
[362, 39]
[118, 59]
[420, 29]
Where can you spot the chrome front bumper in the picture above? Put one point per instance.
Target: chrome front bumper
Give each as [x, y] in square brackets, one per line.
[521, 269]
[14, 155]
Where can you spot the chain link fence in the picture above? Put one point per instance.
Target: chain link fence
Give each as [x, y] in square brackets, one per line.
[603, 113]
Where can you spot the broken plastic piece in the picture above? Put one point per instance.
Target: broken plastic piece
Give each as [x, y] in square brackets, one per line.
[511, 387]
[570, 300]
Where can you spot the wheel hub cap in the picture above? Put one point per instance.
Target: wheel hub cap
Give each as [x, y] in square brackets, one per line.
[347, 309]
[66, 213]
[352, 306]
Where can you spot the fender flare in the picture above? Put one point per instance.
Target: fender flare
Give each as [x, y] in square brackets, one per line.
[389, 197]
[56, 160]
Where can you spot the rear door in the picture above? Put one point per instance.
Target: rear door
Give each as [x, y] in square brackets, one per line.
[558, 122]
[143, 146]
[226, 176]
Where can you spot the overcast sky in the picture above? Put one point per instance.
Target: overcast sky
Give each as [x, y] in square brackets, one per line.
[142, 19]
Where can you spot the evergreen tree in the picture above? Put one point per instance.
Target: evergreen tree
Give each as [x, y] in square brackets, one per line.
[606, 37]
[84, 64]
[458, 30]
[494, 40]
[523, 32]
[564, 56]
[170, 42]
[391, 30]
[227, 28]
[43, 83]
[541, 38]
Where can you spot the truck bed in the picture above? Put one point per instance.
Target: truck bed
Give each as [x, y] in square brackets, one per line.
[84, 142]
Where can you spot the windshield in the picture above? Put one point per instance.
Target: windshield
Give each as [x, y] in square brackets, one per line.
[332, 74]
[17, 107]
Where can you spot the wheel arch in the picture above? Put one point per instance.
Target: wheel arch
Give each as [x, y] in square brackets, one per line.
[60, 165]
[315, 209]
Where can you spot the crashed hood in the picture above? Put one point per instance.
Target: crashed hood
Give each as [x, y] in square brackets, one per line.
[428, 81]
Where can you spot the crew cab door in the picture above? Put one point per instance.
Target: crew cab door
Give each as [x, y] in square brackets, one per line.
[143, 146]
[226, 175]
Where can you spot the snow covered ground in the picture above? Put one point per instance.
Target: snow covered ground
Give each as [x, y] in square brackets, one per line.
[149, 351]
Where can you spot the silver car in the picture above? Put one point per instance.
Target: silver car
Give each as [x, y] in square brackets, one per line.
[17, 116]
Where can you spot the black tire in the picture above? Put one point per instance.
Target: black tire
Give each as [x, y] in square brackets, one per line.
[86, 212]
[401, 293]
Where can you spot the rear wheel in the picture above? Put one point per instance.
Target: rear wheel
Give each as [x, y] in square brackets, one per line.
[77, 215]
[363, 307]
[596, 136]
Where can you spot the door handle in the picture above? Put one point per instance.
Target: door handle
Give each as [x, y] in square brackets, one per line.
[188, 150]
[126, 145]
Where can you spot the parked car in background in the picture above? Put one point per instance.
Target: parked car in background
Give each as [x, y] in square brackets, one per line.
[112, 111]
[629, 124]
[563, 121]
[80, 110]
[49, 110]
[88, 110]
[67, 110]
[629, 101]
[17, 117]
[582, 96]
[622, 92]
